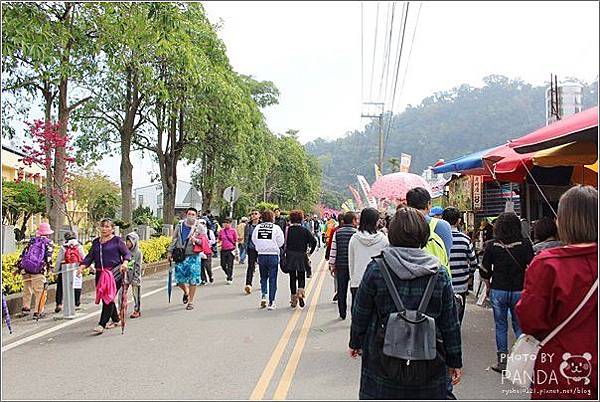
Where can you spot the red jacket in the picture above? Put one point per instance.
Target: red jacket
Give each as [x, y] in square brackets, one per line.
[555, 283]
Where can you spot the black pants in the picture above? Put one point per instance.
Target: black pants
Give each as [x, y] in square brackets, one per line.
[109, 311]
[252, 260]
[59, 292]
[206, 265]
[343, 278]
[227, 263]
[353, 293]
[297, 278]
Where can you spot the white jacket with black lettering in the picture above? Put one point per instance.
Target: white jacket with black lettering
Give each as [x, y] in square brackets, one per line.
[268, 238]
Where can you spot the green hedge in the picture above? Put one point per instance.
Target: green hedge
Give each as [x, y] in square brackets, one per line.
[153, 250]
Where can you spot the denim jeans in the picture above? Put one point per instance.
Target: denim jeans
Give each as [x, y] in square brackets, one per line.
[268, 266]
[242, 250]
[502, 302]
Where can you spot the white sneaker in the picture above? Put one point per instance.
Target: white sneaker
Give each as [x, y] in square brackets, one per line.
[229, 282]
[98, 329]
[263, 302]
[271, 306]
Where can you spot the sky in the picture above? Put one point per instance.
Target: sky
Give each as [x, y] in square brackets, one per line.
[312, 52]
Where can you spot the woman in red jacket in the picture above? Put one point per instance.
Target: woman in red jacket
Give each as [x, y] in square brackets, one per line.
[555, 284]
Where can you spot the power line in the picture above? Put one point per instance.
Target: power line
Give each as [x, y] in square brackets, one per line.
[397, 74]
[362, 57]
[374, 53]
[407, 61]
[403, 17]
[385, 50]
[389, 53]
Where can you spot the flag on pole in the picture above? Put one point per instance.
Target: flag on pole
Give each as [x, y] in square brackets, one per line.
[405, 162]
[356, 196]
[377, 172]
[364, 185]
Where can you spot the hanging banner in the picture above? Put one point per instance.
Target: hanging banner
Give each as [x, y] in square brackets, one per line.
[356, 196]
[377, 172]
[477, 193]
[460, 193]
[348, 205]
[364, 185]
[405, 162]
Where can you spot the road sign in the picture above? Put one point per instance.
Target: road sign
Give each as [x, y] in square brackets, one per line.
[229, 191]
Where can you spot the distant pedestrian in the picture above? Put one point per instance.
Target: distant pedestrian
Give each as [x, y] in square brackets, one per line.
[366, 243]
[330, 230]
[241, 240]
[70, 252]
[268, 239]
[556, 283]
[251, 249]
[338, 259]
[110, 257]
[228, 240]
[410, 270]
[135, 272]
[279, 219]
[545, 234]
[298, 241]
[463, 262]
[34, 262]
[504, 263]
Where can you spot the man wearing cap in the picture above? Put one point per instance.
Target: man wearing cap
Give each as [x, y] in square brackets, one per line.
[436, 212]
[33, 267]
[241, 241]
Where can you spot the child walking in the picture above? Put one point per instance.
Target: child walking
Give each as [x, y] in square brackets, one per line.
[135, 272]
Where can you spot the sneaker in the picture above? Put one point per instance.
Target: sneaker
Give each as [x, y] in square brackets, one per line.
[229, 281]
[98, 329]
[271, 306]
[58, 308]
[248, 289]
[135, 314]
[335, 298]
[263, 302]
[211, 280]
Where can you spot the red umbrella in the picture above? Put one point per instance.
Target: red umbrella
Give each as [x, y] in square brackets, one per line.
[123, 312]
[394, 186]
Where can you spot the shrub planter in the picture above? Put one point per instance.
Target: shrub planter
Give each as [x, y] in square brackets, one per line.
[15, 300]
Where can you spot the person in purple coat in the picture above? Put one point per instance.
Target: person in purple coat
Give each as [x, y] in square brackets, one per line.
[110, 257]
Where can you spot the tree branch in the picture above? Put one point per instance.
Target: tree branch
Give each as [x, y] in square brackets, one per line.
[79, 103]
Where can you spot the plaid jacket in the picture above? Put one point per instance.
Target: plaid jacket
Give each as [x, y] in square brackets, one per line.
[371, 308]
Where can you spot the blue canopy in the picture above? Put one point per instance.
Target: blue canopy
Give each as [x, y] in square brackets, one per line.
[472, 161]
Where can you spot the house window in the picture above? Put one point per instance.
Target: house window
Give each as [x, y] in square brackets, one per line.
[159, 213]
[140, 199]
[159, 199]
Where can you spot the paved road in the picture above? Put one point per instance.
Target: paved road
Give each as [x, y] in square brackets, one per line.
[227, 348]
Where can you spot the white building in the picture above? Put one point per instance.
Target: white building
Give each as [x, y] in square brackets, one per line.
[570, 100]
[152, 196]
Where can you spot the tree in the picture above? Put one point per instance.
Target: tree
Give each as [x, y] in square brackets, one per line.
[55, 41]
[21, 200]
[395, 164]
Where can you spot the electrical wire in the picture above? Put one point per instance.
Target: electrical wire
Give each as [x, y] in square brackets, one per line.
[374, 53]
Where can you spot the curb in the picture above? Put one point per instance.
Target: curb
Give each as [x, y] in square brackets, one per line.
[15, 301]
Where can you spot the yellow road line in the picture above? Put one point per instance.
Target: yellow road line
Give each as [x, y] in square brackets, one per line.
[269, 371]
[286, 379]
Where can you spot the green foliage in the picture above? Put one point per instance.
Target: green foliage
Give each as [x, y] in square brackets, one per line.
[21, 200]
[105, 206]
[263, 206]
[143, 216]
[153, 250]
[446, 125]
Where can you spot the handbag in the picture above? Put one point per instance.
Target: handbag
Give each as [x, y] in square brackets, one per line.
[523, 355]
[179, 252]
[409, 334]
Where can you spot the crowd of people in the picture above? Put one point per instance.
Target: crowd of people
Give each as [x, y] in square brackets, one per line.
[408, 274]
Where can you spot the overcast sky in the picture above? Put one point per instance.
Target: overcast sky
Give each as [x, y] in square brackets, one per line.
[312, 52]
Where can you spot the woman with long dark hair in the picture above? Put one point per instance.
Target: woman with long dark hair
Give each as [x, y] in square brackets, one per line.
[298, 241]
[503, 269]
[367, 242]
[556, 284]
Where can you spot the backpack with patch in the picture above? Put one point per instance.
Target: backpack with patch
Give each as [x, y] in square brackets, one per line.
[435, 246]
[33, 259]
[72, 255]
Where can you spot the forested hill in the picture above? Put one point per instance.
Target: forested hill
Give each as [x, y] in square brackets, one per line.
[445, 125]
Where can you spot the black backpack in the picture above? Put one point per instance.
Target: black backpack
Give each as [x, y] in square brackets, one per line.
[407, 348]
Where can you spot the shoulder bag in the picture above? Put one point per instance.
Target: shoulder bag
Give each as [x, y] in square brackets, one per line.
[521, 360]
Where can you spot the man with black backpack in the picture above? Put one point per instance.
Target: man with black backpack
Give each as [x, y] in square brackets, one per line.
[34, 262]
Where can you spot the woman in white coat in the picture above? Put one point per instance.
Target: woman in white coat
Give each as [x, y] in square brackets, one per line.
[367, 242]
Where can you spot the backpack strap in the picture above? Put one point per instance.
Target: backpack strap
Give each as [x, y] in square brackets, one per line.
[383, 266]
[427, 295]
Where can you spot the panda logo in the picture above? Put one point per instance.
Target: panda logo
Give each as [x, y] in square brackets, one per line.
[576, 368]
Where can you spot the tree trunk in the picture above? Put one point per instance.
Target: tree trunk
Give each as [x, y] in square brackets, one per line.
[126, 177]
[59, 207]
[48, 98]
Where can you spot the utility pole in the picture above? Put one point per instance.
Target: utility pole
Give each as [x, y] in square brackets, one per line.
[375, 110]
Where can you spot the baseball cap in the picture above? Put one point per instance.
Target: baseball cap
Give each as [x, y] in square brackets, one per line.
[436, 211]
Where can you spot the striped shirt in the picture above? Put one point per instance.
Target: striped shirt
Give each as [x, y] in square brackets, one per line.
[462, 261]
